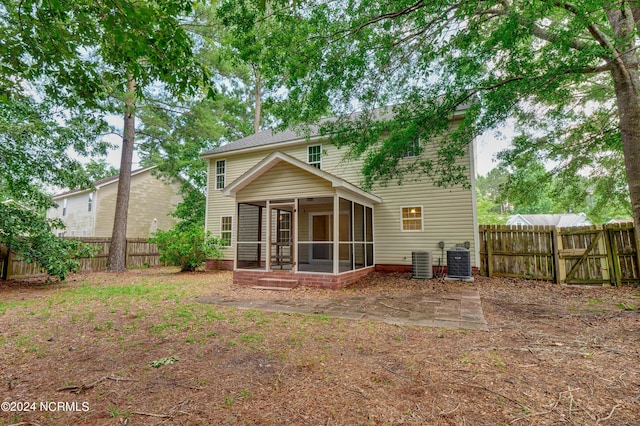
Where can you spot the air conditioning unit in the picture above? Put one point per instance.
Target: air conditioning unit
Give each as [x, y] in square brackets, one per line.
[459, 263]
[422, 265]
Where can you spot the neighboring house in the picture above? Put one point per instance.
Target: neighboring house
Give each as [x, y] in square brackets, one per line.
[290, 208]
[564, 220]
[90, 212]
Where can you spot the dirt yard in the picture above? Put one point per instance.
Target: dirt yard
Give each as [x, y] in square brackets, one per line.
[136, 348]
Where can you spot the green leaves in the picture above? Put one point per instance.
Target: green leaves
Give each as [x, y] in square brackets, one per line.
[187, 247]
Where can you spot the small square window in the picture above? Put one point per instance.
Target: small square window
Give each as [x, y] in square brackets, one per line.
[221, 171]
[414, 151]
[314, 156]
[412, 218]
[226, 226]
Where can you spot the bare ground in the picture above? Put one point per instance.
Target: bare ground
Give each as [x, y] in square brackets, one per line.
[136, 348]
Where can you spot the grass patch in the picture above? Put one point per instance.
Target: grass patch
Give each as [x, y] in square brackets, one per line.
[627, 306]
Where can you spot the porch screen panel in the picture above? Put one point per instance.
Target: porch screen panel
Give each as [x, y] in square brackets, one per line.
[251, 245]
[368, 232]
[359, 236]
[316, 235]
[346, 235]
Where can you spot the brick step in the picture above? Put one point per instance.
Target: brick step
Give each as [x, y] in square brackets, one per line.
[277, 282]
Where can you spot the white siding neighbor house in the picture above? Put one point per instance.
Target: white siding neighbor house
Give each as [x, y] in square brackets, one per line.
[290, 208]
[90, 212]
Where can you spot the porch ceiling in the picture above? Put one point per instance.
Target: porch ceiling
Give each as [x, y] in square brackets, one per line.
[276, 158]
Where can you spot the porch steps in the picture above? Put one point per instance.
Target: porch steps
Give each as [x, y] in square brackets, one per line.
[276, 284]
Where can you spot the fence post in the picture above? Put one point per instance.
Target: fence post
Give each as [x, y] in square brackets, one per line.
[559, 272]
[489, 254]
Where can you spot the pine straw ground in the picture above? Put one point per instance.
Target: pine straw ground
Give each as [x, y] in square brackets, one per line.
[136, 349]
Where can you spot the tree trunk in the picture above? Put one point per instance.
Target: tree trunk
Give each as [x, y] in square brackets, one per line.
[258, 104]
[626, 83]
[117, 260]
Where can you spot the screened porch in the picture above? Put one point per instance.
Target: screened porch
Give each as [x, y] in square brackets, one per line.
[329, 235]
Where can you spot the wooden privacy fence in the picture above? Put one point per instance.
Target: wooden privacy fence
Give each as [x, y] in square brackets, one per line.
[600, 254]
[140, 253]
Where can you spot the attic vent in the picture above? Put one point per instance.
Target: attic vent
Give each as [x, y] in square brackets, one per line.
[422, 265]
[459, 263]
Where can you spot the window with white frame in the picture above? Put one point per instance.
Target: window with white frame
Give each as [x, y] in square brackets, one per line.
[64, 207]
[226, 226]
[90, 202]
[414, 151]
[314, 156]
[221, 171]
[411, 218]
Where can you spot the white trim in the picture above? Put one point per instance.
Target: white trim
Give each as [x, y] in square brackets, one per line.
[472, 175]
[206, 200]
[421, 207]
[275, 158]
[336, 234]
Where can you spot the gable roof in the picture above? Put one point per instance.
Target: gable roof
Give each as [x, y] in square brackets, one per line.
[100, 183]
[277, 157]
[559, 220]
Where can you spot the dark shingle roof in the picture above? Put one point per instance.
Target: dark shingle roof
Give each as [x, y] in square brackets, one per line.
[265, 137]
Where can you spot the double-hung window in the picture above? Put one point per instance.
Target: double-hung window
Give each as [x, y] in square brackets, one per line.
[411, 219]
[314, 156]
[226, 227]
[221, 172]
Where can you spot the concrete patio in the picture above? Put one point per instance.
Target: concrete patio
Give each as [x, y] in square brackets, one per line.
[457, 310]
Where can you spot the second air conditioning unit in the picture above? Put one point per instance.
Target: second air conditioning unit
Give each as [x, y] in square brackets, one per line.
[422, 265]
[459, 263]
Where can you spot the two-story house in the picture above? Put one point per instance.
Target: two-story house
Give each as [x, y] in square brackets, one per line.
[290, 208]
[90, 212]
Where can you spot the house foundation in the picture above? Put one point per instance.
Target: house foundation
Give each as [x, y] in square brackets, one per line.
[317, 280]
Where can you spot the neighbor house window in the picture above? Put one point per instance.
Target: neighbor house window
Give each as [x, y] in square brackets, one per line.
[90, 202]
[221, 170]
[226, 225]
[314, 156]
[412, 218]
[64, 207]
[414, 151]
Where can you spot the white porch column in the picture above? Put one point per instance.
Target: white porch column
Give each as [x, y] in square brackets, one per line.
[267, 266]
[294, 229]
[335, 236]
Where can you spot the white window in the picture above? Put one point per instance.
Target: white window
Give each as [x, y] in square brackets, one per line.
[414, 151]
[64, 207]
[226, 226]
[221, 171]
[314, 156]
[90, 202]
[411, 220]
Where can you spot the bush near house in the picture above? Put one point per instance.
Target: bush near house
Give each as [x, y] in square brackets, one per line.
[187, 247]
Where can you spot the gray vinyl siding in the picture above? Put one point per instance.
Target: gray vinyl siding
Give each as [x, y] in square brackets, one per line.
[448, 213]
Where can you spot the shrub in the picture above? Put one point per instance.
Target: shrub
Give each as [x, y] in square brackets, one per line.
[187, 247]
